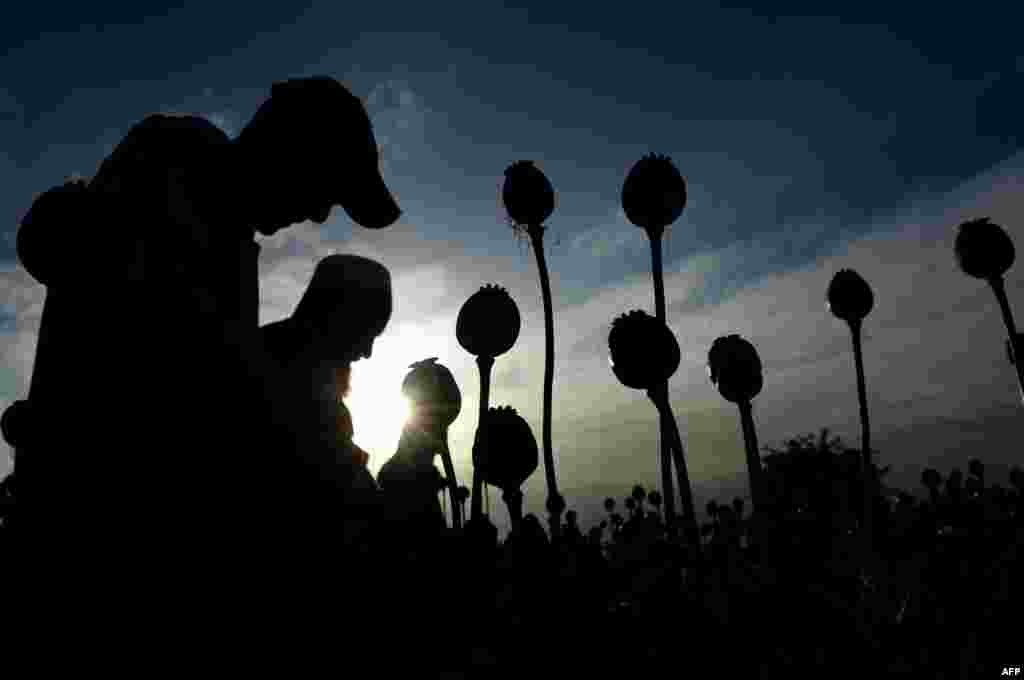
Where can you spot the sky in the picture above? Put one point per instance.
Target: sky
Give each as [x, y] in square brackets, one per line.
[809, 143]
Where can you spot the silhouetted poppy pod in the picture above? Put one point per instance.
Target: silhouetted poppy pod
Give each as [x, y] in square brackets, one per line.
[956, 476]
[347, 291]
[511, 455]
[1017, 477]
[16, 424]
[654, 193]
[654, 498]
[849, 296]
[432, 389]
[983, 249]
[488, 323]
[735, 368]
[930, 478]
[53, 233]
[528, 195]
[644, 351]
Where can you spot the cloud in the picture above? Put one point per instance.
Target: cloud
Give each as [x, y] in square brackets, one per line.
[607, 239]
[11, 110]
[399, 118]
[227, 121]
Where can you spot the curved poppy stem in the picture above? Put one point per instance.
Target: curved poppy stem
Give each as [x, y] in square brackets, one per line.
[514, 500]
[865, 436]
[659, 307]
[484, 363]
[449, 471]
[659, 396]
[999, 288]
[753, 457]
[536, 233]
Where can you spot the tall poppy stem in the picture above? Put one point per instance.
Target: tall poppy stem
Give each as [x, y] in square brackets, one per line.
[999, 288]
[555, 503]
[514, 500]
[484, 363]
[865, 436]
[660, 398]
[753, 455]
[659, 307]
[449, 471]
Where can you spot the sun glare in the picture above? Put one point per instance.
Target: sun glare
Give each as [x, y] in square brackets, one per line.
[379, 410]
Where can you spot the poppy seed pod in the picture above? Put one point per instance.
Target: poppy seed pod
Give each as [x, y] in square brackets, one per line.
[955, 479]
[654, 498]
[1017, 478]
[735, 368]
[930, 478]
[434, 394]
[983, 249]
[654, 193]
[488, 323]
[737, 506]
[644, 351]
[849, 296]
[511, 455]
[15, 424]
[46, 241]
[528, 195]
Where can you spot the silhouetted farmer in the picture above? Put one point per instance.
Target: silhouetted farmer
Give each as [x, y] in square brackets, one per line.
[169, 376]
[323, 474]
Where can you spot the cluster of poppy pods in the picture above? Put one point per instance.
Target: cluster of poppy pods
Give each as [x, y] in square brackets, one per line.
[644, 353]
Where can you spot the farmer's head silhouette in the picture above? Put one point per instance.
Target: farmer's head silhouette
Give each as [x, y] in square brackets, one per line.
[311, 147]
[345, 307]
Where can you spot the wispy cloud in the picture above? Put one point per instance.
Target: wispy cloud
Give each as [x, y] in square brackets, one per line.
[399, 119]
[606, 239]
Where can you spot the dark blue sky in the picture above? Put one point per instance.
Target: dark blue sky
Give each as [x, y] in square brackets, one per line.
[886, 100]
[797, 133]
